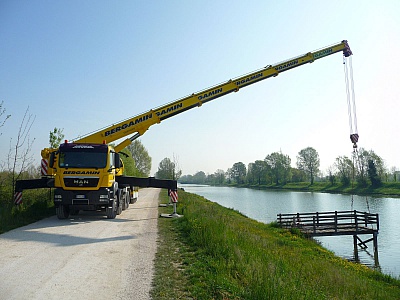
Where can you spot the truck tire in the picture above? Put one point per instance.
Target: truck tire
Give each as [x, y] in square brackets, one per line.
[131, 200]
[127, 199]
[62, 212]
[119, 202]
[111, 212]
[123, 199]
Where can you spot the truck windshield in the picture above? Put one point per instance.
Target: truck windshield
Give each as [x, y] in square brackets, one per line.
[84, 159]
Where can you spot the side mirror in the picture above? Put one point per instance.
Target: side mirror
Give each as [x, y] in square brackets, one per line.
[51, 160]
[117, 161]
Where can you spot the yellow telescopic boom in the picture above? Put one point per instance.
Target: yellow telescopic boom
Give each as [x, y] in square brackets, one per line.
[139, 124]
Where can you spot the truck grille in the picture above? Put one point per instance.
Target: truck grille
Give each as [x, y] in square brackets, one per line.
[81, 182]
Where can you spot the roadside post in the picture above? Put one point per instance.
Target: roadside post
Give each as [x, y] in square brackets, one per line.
[173, 197]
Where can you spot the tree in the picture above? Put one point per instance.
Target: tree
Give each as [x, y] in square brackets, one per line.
[258, 171]
[331, 174]
[345, 166]
[250, 177]
[3, 118]
[308, 161]
[362, 157]
[129, 163]
[56, 137]
[394, 173]
[167, 170]
[373, 175]
[238, 172]
[279, 166]
[219, 176]
[19, 157]
[297, 175]
[141, 157]
[199, 177]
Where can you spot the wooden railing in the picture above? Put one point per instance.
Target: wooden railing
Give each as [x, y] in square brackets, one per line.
[331, 223]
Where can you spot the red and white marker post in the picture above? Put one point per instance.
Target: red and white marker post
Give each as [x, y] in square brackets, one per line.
[173, 197]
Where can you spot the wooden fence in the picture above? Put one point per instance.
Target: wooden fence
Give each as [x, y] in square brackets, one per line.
[351, 222]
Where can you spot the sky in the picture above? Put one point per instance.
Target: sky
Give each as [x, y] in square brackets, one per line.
[83, 65]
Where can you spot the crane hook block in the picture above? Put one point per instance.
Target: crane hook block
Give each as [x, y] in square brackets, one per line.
[354, 139]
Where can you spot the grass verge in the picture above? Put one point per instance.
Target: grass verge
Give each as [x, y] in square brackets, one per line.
[37, 204]
[217, 253]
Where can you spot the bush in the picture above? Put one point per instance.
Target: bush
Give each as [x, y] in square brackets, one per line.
[36, 205]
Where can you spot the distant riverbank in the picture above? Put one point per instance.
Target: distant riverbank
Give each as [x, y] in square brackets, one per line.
[390, 189]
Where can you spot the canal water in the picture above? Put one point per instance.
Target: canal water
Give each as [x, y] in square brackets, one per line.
[264, 205]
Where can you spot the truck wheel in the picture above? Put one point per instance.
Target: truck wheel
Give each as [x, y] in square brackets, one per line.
[131, 200]
[123, 200]
[127, 199]
[111, 211]
[62, 212]
[119, 202]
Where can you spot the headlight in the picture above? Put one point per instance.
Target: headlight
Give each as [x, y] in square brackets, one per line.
[103, 198]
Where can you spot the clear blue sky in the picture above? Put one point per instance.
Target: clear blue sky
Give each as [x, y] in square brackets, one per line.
[83, 65]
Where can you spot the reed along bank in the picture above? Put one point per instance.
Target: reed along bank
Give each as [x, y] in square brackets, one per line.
[213, 252]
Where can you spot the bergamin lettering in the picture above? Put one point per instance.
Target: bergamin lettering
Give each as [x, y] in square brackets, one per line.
[127, 125]
[250, 78]
[210, 94]
[169, 109]
[287, 65]
[81, 172]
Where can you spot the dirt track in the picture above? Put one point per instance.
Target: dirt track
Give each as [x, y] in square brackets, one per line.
[84, 257]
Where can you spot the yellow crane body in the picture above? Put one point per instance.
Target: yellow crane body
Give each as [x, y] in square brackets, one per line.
[88, 173]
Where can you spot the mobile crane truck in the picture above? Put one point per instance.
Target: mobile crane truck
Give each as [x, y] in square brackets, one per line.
[87, 174]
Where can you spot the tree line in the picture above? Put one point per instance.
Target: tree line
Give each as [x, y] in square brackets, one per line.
[363, 167]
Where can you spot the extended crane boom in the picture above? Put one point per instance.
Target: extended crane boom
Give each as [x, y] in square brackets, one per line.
[140, 123]
[87, 174]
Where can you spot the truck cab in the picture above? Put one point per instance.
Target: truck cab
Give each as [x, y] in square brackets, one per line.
[85, 179]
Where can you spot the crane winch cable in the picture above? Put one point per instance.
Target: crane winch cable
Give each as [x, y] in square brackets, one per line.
[351, 102]
[351, 105]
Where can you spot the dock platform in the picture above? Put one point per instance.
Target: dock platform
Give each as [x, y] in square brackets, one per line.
[336, 223]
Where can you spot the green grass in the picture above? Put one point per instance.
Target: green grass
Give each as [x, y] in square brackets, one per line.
[217, 253]
[36, 205]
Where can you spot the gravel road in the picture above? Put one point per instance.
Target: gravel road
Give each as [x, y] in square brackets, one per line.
[84, 257]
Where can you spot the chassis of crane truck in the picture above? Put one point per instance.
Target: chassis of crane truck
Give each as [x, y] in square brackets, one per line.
[111, 200]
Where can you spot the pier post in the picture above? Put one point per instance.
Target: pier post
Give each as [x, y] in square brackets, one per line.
[356, 220]
[355, 248]
[314, 228]
[336, 221]
[375, 239]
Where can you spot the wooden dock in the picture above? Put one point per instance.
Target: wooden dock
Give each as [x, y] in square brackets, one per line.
[336, 223]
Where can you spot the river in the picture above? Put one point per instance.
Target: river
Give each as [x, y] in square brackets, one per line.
[264, 205]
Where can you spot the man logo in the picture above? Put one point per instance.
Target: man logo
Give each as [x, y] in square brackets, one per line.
[81, 182]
